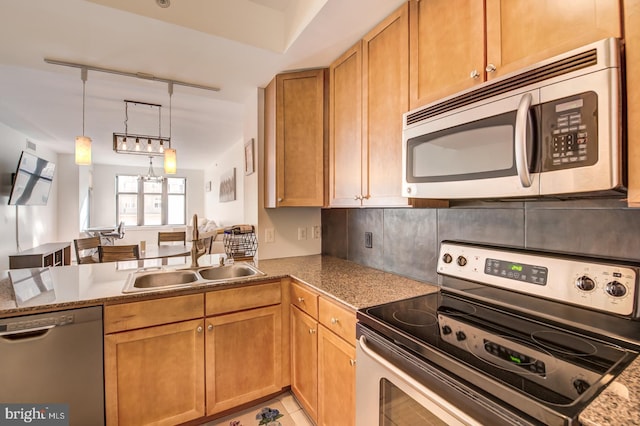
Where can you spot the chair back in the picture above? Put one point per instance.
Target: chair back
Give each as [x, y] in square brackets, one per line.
[117, 253]
[83, 245]
[174, 236]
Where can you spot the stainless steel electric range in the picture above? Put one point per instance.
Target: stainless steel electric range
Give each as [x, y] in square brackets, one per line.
[513, 337]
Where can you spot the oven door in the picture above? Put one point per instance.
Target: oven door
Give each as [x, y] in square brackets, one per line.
[485, 151]
[393, 387]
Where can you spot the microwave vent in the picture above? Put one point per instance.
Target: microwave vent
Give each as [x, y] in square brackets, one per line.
[545, 72]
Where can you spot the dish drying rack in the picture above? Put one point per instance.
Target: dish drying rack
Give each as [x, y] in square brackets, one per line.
[240, 242]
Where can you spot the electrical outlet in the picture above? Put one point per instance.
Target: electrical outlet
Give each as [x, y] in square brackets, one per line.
[317, 232]
[302, 233]
[368, 239]
[269, 236]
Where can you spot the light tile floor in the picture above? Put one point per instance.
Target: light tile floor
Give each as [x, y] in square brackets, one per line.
[288, 401]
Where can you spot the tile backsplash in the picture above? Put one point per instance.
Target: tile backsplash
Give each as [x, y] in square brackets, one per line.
[406, 240]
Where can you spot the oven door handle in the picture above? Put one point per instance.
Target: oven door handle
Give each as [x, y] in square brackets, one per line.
[389, 366]
[520, 139]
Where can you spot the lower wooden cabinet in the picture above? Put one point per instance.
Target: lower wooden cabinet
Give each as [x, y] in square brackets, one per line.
[244, 358]
[172, 360]
[304, 361]
[336, 380]
[323, 357]
[155, 375]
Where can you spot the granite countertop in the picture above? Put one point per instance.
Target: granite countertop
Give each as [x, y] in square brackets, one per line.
[75, 286]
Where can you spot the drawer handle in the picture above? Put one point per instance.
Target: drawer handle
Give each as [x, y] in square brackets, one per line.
[312, 331]
[300, 299]
[334, 320]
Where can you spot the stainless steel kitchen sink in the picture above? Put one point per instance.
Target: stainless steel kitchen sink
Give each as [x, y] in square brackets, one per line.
[229, 272]
[159, 280]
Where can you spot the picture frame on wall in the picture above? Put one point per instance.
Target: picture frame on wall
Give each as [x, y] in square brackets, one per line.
[228, 186]
[249, 158]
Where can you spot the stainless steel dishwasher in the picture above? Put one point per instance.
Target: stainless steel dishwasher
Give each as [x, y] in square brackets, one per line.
[55, 358]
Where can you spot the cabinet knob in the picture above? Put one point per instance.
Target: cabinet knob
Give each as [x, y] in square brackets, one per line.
[300, 299]
[474, 74]
[352, 362]
[312, 331]
[280, 200]
[357, 197]
[334, 320]
[210, 327]
[199, 329]
[490, 68]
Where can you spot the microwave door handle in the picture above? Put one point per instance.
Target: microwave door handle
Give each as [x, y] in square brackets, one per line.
[522, 122]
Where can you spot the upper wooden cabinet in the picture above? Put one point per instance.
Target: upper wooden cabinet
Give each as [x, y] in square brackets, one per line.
[296, 126]
[632, 48]
[447, 43]
[523, 32]
[369, 93]
[447, 48]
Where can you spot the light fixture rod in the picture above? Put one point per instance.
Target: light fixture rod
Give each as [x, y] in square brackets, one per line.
[83, 76]
[144, 76]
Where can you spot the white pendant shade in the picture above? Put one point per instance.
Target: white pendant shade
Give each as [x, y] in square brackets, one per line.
[170, 161]
[83, 150]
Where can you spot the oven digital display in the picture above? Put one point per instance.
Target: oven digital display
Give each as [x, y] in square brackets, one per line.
[521, 360]
[516, 271]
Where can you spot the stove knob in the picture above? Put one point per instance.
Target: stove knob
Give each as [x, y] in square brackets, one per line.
[585, 283]
[446, 330]
[460, 336]
[616, 289]
[462, 260]
[580, 385]
[447, 258]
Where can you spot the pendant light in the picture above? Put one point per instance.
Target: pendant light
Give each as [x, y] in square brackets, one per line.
[170, 161]
[83, 143]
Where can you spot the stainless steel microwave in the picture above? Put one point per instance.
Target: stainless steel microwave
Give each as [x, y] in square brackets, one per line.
[552, 129]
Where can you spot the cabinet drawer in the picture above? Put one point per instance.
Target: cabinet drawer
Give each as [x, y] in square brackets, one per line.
[304, 299]
[339, 319]
[239, 299]
[129, 316]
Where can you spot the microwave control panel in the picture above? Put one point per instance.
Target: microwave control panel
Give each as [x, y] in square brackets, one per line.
[570, 132]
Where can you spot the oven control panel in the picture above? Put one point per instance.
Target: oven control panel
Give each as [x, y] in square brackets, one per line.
[519, 357]
[604, 286]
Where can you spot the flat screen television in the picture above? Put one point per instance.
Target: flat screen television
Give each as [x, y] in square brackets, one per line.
[32, 181]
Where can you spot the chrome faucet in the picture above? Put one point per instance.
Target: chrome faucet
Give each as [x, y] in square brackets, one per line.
[198, 247]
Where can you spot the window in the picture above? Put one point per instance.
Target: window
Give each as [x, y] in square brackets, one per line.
[141, 202]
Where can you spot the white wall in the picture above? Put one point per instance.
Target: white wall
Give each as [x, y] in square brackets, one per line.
[230, 212]
[37, 224]
[68, 220]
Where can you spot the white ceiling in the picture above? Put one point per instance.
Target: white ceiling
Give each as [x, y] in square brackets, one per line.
[236, 45]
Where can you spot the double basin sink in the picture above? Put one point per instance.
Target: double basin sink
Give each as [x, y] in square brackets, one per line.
[160, 280]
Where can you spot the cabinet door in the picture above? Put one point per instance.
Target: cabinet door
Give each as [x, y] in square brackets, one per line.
[385, 58]
[523, 32]
[345, 124]
[304, 361]
[244, 359]
[155, 375]
[301, 139]
[336, 380]
[447, 46]
[632, 43]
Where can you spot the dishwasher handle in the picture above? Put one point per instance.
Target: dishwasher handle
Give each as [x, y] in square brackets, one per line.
[27, 334]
